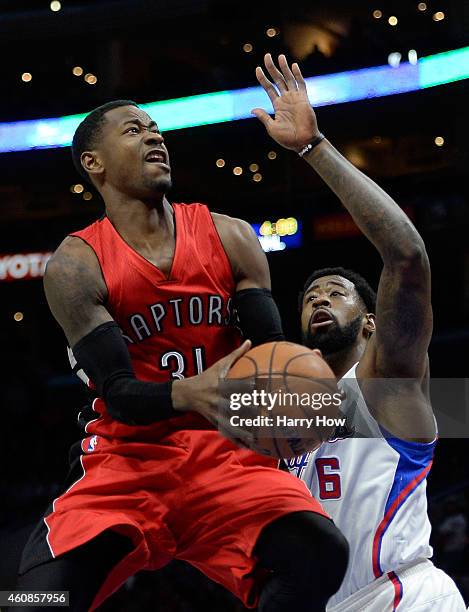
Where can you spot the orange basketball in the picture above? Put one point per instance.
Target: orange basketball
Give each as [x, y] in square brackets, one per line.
[295, 403]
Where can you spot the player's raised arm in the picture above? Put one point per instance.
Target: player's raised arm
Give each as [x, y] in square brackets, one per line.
[399, 347]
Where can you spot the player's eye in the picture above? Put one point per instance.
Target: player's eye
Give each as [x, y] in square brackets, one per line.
[336, 293]
[312, 297]
[134, 127]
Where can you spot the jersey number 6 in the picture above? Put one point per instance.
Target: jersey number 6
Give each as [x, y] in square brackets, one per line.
[329, 481]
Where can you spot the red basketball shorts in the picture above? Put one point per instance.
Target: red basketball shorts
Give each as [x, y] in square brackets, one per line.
[192, 495]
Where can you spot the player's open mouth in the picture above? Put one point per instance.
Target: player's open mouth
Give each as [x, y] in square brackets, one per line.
[156, 156]
[321, 318]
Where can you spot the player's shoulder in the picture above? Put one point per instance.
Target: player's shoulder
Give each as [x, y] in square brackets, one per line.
[227, 220]
[74, 260]
[232, 227]
[71, 249]
[223, 223]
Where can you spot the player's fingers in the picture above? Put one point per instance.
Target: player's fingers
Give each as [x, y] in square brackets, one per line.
[268, 87]
[224, 411]
[299, 78]
[264, 117]
[229, 386]
[224, 424]
[275, 73]
[230, 359]
[287, 73]
[239, 352]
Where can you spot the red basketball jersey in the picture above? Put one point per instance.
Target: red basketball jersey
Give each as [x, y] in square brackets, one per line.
[174, 327]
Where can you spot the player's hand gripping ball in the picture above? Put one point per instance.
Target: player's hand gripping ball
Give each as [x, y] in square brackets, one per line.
[295, 403]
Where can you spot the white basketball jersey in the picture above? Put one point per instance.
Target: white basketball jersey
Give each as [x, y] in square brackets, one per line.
[374, 488]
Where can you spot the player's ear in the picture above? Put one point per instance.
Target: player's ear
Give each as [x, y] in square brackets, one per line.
[91, 162]
[370, 324]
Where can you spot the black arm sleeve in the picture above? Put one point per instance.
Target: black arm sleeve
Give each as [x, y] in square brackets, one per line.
[259, 318]
[104, 357]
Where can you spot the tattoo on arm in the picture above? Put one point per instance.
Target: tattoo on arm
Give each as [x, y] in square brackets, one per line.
[373, 210]
[75, 289]
[403, 312]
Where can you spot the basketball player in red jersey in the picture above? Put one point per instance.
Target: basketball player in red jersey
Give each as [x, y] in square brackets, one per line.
[144, 297]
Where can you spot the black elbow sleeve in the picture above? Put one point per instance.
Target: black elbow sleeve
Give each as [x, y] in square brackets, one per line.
[259, 318]
[104, 357]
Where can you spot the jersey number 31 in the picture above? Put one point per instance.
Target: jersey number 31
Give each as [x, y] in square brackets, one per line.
[177, 363]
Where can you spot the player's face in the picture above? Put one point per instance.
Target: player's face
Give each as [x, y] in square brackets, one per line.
[133, 153]
[332, 317]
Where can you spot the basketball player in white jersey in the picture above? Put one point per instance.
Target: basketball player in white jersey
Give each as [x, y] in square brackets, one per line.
[371, 478]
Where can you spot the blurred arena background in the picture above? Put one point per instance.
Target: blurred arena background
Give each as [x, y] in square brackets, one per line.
[64, 58]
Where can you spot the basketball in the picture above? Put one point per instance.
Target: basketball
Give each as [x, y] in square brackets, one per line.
[295, 403]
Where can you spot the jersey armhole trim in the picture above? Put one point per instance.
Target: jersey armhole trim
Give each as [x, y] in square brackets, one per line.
[406, 446]
[222, 248]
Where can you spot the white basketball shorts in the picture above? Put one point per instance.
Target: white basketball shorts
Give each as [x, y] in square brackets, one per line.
[417, 587]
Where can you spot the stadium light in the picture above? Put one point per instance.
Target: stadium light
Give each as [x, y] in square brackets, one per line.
[222, 106]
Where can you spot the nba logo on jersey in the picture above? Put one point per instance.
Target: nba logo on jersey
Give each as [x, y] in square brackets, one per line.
[92, 443]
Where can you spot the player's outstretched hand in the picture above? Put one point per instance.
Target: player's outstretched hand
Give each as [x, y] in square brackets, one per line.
[294, 125]
[208, 392]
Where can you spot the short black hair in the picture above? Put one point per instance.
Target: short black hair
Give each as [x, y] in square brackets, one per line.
[364, 290]
[87, 133]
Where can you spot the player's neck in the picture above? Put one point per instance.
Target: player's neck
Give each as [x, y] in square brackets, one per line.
[136, 220]
[341, 361]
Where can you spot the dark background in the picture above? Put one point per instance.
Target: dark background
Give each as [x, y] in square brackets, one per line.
[158, 50]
